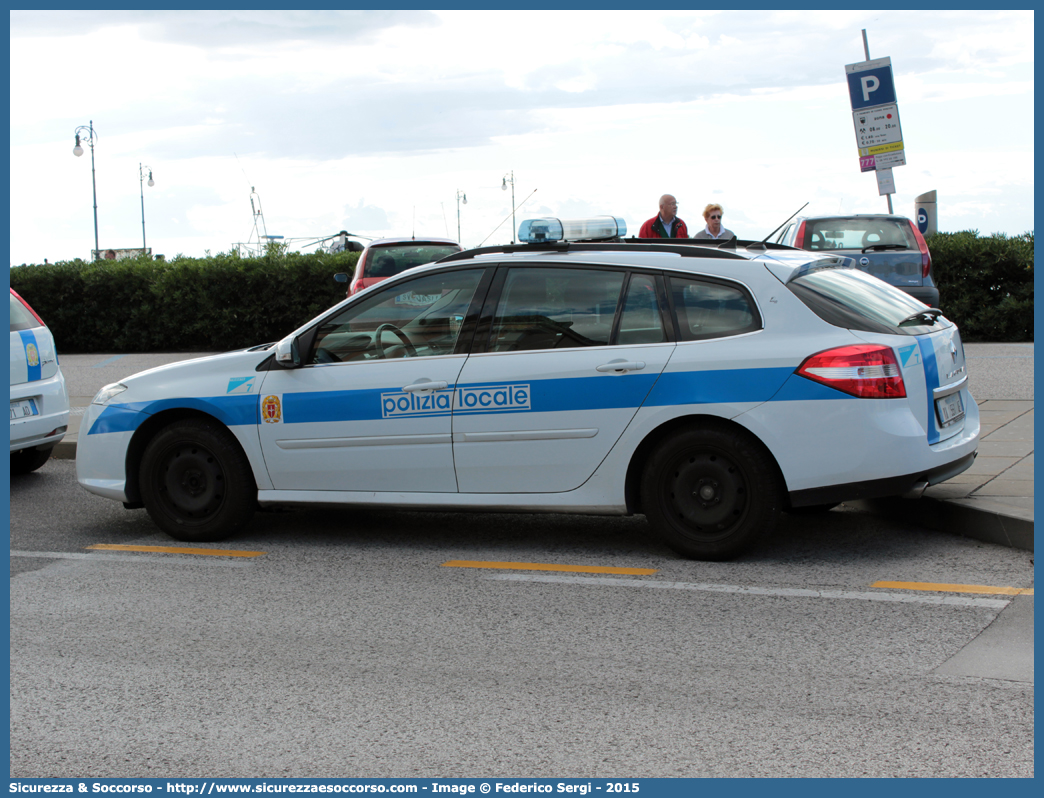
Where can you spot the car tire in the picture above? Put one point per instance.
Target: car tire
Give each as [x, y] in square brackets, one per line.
[710, 492]
[196, 483]
[25, 461]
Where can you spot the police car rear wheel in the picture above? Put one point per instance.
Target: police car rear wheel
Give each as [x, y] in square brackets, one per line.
[711, 492]
[196, 483]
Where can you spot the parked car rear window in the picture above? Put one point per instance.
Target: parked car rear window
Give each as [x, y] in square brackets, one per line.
[389, 260]
[21, 319]
[855, 233]
[854, 300]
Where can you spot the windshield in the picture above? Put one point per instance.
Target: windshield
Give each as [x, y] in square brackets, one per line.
[857, 301]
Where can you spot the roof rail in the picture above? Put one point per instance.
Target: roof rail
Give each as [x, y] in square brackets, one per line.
[686, 247]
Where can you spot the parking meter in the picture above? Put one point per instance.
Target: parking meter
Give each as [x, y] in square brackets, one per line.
[925, 214]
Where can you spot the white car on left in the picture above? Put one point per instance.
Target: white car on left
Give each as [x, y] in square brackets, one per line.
[39, 399]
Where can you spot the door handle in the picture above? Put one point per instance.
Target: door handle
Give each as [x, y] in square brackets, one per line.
[620, 366]
[426, 385]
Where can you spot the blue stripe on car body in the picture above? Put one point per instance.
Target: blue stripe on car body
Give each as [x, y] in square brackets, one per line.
[931, 378]
[547, 396]
[229, 410]
[28, 339]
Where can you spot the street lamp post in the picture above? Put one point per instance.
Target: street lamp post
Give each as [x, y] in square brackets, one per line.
[86, 133]
[141, 186]
[510, 178]
[461, 197]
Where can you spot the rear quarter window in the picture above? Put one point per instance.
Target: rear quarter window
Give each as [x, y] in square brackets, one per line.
[854, 300]
[708, 309]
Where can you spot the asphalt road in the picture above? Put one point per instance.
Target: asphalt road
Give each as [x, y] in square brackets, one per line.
[349, 647]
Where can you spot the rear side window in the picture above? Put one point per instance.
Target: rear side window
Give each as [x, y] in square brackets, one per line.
[389, 261]
[555, 309]
[854, 300]
[855, 233]
[21, 318]
[708, 309]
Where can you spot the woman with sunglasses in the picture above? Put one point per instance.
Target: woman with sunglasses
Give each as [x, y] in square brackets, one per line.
[713, 213]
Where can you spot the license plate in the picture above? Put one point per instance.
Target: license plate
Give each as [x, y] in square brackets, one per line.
[23, 408]
[950, 409]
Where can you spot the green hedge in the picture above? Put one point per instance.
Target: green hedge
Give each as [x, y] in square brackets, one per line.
[185, 304]
[985, 284]
[229, 302]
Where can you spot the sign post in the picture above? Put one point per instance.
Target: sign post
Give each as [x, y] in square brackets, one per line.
[875, 117]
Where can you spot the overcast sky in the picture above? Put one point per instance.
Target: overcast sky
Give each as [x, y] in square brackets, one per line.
[373, 121]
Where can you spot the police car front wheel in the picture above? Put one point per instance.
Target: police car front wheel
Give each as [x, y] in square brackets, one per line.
[196, 483]
[711, 492]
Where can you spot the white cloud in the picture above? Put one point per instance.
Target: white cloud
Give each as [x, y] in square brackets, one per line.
[371, 121]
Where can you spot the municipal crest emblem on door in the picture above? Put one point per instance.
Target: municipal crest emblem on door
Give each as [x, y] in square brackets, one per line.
[271, 410]
[32, 356]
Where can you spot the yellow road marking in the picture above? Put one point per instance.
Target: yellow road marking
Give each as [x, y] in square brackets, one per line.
[177, 550]
[534, 566]
[940, 588]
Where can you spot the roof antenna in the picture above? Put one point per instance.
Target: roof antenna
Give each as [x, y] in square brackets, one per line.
[413, 235]
[795, 213]
[523, 202]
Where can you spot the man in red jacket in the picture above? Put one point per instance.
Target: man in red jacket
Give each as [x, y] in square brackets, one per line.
[667, 224]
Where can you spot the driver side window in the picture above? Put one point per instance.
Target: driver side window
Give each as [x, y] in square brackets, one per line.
[418, 318]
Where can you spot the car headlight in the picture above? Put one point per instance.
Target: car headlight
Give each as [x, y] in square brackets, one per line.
[108, 392]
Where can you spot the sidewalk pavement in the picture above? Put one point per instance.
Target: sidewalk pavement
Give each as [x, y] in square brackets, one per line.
[992, 501]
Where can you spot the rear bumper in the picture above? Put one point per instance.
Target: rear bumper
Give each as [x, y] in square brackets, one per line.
[879, 488]
[928, 294]
[49, 427]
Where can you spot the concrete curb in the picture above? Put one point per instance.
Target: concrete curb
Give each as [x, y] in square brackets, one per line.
[957, 517]
[64, 450]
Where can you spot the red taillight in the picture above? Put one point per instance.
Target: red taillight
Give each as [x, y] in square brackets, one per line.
[926, 256]
[868, 371]
[799, 236]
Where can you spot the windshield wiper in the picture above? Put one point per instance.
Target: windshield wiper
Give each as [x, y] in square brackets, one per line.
[926, 316]
[883, 247]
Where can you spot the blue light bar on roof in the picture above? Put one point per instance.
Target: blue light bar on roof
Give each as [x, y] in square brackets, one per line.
[549, 229]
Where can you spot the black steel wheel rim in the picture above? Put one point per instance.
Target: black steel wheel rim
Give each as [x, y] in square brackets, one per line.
[706, 494]
[192, 483]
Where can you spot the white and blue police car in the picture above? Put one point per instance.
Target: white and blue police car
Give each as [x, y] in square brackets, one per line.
[709, 387]
[39, 398]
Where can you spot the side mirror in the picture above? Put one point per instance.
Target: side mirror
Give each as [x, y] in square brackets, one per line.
[288, 354]
[341, 277]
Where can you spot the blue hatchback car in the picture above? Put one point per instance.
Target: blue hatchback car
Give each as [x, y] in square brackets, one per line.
[890, 247]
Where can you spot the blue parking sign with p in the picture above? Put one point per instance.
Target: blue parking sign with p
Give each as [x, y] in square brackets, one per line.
[870, 87]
